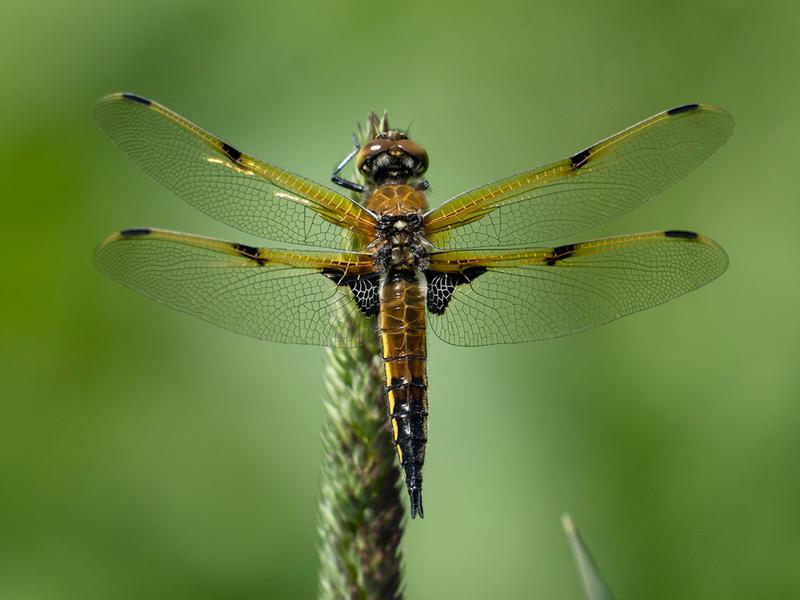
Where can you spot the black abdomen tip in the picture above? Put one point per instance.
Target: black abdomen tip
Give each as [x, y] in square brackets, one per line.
[135, 98]
[686, 235]
[682, 109]
[415, 497]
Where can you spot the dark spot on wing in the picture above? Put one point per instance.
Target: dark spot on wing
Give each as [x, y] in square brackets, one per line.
[442, 286]
[249, 252]
[364, 288]
[135, 98]
[687, 235]
[682, 109]
[564, 251]
[579, 159]
[135, 231]
[231, 152]
[471, 273]
[560, 253]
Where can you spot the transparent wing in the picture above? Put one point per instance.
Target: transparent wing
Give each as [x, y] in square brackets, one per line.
[585, 190]
[227, 184]
[275, 295]
[527, 295]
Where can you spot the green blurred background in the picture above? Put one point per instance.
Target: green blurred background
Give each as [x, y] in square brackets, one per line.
[144, 454]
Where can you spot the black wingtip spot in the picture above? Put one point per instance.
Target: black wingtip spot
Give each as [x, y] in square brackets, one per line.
[686, 235]
[682, 109]
[579, 159]
[231, 152]
[135, 98]
[135, 232]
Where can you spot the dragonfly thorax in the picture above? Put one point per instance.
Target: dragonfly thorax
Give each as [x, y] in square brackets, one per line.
[400, 244]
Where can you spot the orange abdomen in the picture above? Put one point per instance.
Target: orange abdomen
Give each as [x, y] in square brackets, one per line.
[402, 330]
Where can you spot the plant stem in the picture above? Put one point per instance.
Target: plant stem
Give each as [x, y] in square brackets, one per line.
[360, 511]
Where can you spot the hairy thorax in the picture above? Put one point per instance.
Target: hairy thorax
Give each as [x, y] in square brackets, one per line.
[399, 245]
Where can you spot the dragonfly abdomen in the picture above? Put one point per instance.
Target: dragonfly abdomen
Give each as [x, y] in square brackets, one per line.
[402, 328]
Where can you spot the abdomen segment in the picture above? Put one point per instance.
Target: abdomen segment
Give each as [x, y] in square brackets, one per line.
[402, 328]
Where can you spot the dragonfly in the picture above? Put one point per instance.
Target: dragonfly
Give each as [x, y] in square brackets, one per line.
[482, 268]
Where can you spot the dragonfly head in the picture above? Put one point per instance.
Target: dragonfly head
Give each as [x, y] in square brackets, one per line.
[391, 158]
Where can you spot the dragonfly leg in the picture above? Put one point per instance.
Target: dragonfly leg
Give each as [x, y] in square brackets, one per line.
[345, 183]
[349, 185]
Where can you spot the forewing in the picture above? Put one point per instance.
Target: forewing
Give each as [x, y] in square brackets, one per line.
[585, 190]
[528, 295]
[227, 184]
[275, 295]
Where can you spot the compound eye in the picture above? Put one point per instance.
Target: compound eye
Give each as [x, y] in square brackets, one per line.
[413, 149]
[369, 151]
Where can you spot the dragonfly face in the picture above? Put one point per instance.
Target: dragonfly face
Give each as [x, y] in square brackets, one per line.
[468, 268]
[391, 158]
